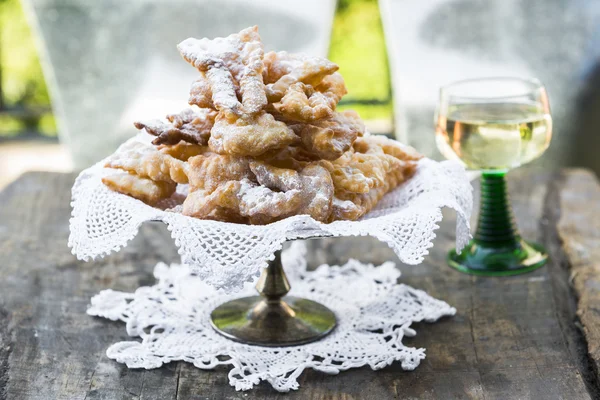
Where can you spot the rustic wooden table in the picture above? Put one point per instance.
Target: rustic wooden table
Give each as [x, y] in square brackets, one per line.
[533, 336]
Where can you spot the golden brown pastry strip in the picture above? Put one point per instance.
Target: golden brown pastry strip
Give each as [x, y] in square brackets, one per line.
[225, 62]
[148, 162]
[144, 189]
[283, 179]
[305, 103]
[184, 150]
[201, 93]
[302, 103]
[362, 177]
[207, 172]
[329, 138]
[292, 68]
[189, 125]
[249, 136]
[318, 190]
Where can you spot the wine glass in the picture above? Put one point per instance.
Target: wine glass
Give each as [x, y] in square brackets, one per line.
[494, 125]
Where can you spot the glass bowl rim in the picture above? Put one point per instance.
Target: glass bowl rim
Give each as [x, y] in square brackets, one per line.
[535, 85]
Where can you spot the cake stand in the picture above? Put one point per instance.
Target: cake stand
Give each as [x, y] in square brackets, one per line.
[227, 255]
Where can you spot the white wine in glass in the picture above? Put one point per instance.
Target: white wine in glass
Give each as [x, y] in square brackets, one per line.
[494, 136]
[494, 125]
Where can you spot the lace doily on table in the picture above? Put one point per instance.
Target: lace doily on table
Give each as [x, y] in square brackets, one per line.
[173, 320]
[227, 255]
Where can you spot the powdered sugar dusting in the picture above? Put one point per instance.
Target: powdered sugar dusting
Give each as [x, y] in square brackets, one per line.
[231, 63]
[260, 200]
[343, 204]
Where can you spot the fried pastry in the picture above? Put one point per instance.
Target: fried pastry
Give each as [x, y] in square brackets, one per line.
[363, 168]
[285, 69]
[344, 210]
[332, 88]
[241, 189]
[282, 179]
[184, 150]
[330, 138]
[201, 93]
[189, 125]
[388, 146]
[236, 60]
[352, 206]
[255, 191]
[262, 142]
[221, 204]
[275, 66]
[263, 205]
[362, 177]
[242, 200]
[144, 189]
[214, 186]
[148, 162]
[349, 175]
[309, 192]
[207, 172]
[156, 127]
[292, 157]
[317, 192]
[249, 136]
[303, 103]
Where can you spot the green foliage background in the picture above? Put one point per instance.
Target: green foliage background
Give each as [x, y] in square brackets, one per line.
[357, 46]
[22, 80]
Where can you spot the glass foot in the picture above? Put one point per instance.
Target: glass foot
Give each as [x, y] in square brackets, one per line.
[290, 321]
[479, 259]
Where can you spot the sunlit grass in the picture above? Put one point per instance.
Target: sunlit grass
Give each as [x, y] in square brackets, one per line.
[23, 83]
[10, 126]
[47, 125]
[22, 79]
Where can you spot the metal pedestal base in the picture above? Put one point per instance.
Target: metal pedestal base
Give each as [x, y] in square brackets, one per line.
[293, 321]
[272, 319]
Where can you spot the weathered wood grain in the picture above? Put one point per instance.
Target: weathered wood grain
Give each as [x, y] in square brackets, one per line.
[579, 231]
[515, 337]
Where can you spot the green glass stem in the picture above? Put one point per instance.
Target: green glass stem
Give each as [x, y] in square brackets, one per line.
[497, 248]
[496, 224]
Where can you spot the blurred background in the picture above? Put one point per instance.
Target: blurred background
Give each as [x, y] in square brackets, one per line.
[75, 74]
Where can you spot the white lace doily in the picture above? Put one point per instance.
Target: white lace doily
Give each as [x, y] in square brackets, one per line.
[172, 319]
[227, 255]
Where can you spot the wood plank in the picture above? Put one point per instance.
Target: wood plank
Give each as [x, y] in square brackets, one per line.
[512, 337]
[579, 231]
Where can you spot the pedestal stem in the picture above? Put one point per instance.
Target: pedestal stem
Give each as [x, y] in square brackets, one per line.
[273, 284]
[496, 225]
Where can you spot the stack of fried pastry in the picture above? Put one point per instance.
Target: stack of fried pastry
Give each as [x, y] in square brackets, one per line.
[262, 141]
